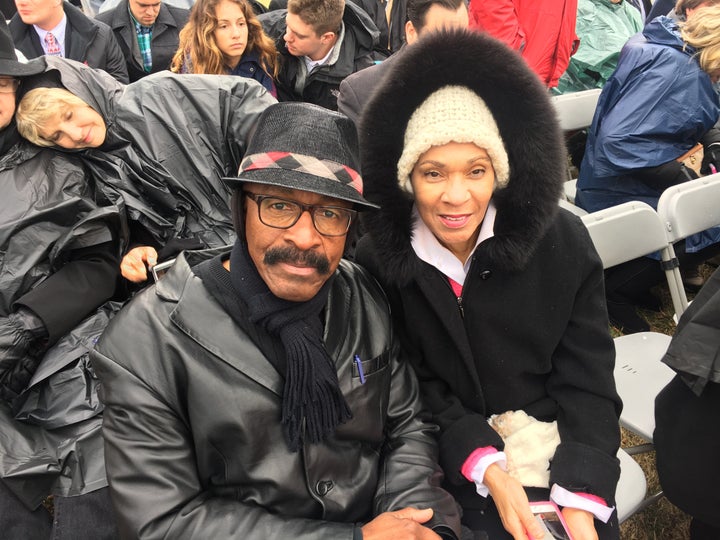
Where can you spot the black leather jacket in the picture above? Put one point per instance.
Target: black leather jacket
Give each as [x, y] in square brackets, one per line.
[194, 444]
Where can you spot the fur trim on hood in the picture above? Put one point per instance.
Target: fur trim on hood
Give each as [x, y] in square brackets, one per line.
[527, 123]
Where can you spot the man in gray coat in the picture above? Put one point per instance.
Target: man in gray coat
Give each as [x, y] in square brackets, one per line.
[148, 33]
[256, 392]
[423, 16]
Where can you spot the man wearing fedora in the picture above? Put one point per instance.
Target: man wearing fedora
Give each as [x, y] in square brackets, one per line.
[59, 254]
[255, 391]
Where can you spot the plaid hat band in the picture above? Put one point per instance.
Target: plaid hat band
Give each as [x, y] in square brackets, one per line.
[289, 161]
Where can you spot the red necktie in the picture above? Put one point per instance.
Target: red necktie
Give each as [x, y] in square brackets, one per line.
[53, 47]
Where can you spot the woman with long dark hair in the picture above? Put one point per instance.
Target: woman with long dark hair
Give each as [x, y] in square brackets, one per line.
[224, 37]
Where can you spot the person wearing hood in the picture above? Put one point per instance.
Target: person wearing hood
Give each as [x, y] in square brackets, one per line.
[639, 146]
[496, 292]
[59, 254]
[320, 43]
[161, 144]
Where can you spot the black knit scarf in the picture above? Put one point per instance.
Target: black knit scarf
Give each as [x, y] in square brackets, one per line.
[312, 393]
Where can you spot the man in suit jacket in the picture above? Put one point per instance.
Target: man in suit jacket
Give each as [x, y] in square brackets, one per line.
[423, 16]
[58, 28]
[132, 20]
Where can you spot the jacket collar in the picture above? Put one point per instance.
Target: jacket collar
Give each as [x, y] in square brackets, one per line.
[222, 338]
[79, 23]
[121, 19]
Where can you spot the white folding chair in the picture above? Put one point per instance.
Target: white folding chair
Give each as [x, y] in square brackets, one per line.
[575, 111]
[572, 208]
[686, 209]
[622, 233]
[631, 488]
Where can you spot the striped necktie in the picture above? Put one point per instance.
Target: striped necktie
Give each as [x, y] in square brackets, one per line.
[52, 46]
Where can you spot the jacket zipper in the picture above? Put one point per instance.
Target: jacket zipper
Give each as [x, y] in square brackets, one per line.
[459, 299]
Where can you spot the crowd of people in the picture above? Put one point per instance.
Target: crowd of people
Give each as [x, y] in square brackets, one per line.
[298, 269]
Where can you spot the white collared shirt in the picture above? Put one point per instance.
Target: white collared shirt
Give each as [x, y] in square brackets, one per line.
[430, 250]
[312, 64]
[58, 32]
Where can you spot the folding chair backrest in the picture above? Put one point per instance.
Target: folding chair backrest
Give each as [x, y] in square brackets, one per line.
[625, 232]
[690, 207]
[576, 110]
[564, 203]
[686, 209]
[621, 233]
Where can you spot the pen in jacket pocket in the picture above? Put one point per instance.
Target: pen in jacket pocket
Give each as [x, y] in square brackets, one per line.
[358, 362]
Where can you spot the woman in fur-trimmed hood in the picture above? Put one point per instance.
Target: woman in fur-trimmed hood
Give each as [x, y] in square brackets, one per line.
[497, 293]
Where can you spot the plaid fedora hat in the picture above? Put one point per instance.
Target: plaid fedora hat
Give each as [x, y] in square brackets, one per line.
[9, 64]
[306, 147]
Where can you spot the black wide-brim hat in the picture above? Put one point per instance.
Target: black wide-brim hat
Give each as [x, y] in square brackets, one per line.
[305, 147]
[9, 64]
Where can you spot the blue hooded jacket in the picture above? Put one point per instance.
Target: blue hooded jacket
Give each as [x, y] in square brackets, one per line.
[654, 108]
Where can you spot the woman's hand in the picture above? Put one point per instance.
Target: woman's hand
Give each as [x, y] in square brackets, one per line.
[693, 160]
[135, 263]
[512, 504]
[580, 523]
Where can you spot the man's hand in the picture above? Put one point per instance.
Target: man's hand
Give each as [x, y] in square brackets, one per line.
[580, 523]
[512, 504]
[405, 524]
[135, 263]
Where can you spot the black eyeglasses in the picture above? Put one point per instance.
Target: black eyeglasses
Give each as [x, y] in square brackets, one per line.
[282, 214]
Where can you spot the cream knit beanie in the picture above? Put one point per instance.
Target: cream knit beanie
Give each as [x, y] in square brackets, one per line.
[452, 114]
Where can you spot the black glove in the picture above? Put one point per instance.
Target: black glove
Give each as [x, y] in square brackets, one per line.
[711, 149]
[665, 175]
[21, 342]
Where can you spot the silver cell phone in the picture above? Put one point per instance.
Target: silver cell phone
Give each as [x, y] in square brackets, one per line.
[159, 269]
[549, 516]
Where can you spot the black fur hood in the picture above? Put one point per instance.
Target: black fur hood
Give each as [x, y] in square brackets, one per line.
[528, 126]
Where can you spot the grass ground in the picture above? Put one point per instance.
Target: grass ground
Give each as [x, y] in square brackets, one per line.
[661, 520]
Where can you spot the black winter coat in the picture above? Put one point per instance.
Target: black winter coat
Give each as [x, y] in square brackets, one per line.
[87, 41]
[322, 85]
[194, 443]
[530, 331]
[687, 411]
[165, 36]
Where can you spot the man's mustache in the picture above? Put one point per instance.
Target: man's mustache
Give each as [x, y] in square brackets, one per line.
[296, 257]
